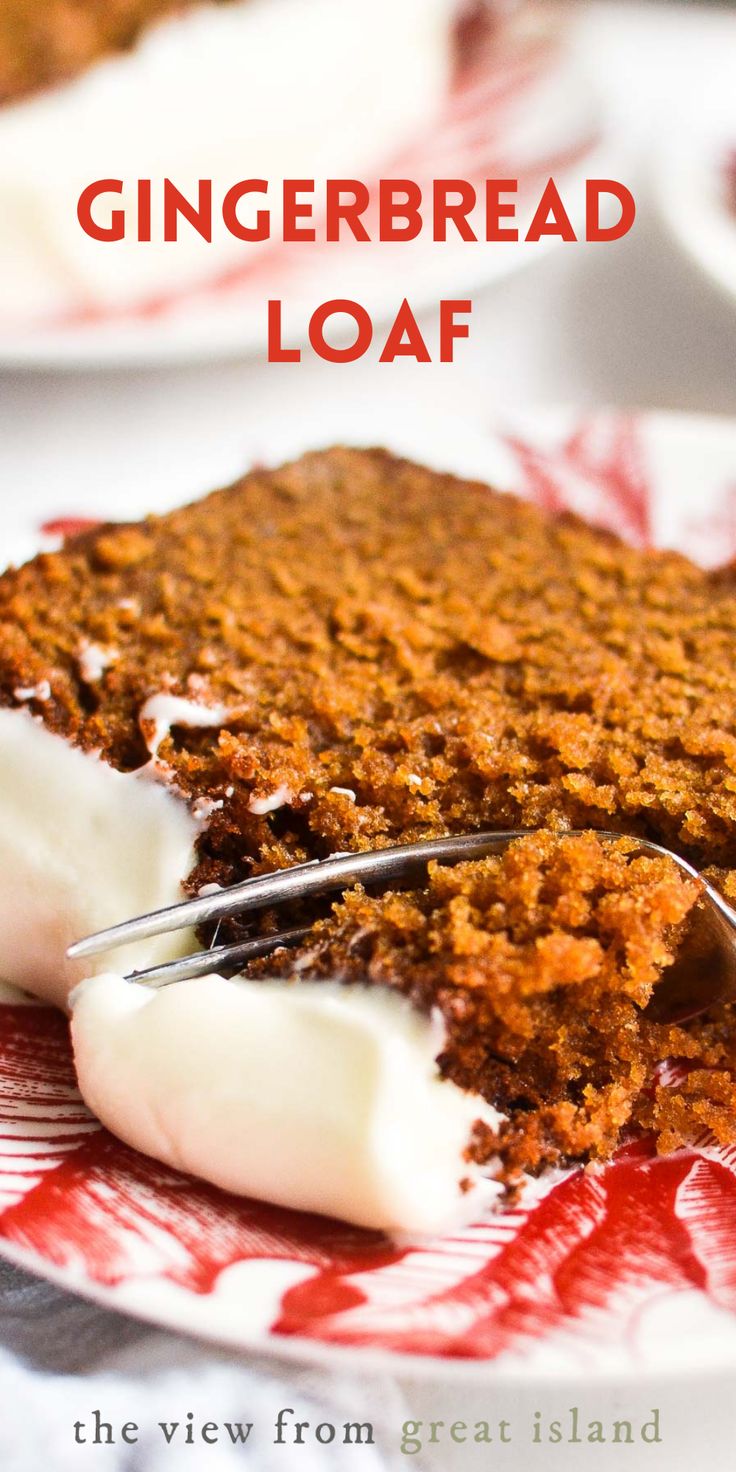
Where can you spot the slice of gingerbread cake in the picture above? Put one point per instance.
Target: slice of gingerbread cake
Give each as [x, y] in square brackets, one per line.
[349, 652]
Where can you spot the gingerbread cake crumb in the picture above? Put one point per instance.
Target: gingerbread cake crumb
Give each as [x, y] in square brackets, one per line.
[381, 653]
[541, 962]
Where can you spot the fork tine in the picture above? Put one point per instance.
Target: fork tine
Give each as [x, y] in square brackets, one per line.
[297, 883]
[202, 963]
[320, 878]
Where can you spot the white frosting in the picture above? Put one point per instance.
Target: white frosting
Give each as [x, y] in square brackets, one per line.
[81, 847]
[93, 660]
[266, 89]
[160, 712]
[314, 1095]
[271, 804]
[41, 692]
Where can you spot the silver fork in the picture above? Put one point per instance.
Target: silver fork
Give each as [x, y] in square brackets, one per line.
[704, 971]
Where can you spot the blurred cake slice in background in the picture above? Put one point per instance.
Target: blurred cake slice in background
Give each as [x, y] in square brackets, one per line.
[222, 90]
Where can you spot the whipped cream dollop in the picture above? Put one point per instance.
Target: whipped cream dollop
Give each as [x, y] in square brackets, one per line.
[311, 1094]
[82, 846]
[316, 1096]
[267, 89]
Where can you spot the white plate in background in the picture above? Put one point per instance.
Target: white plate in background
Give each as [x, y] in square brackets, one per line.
[527, 117]
[695, 189]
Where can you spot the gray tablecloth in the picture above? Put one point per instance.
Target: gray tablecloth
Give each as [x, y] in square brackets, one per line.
[62, 1359]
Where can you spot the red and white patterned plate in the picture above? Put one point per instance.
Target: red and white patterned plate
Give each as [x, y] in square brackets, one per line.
[630, 1268]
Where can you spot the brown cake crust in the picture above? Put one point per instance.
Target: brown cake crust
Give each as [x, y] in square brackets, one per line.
[47, 41]
[404, 654]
